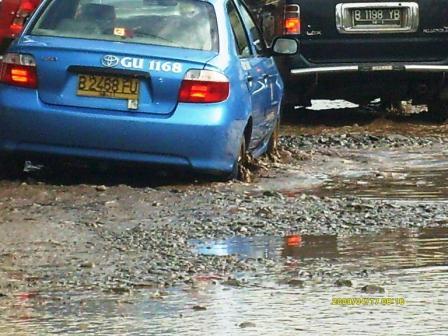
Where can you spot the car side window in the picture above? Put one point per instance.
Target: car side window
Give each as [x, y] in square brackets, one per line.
[254, 32]
[239, 32]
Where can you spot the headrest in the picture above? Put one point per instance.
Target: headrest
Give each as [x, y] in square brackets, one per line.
[95, 11]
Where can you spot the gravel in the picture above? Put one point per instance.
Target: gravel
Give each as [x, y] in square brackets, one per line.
[358, 141]
[142, 237]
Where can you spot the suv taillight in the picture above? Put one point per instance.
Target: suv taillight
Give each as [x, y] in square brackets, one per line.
[291, 24]
[204, 86]
[18, 70]
[25, 9]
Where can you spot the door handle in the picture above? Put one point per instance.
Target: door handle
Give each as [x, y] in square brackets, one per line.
[265, 78]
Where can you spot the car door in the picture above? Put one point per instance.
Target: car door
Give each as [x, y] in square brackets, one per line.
[255, 76]
[264, 64]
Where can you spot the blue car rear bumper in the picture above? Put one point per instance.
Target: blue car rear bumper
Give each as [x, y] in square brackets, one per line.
[203, 137]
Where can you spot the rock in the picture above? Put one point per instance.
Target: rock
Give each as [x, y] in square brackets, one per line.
[372, 289]
[343, 283]
[247, 325]
[141, 285]
[199, 308]
[87, 264]
[270, 193]
[158, 295]
[243, 229]
[232, 282]
[119, 290]
[101, 188]
[264, 212]
[285, 154]
[296, 283]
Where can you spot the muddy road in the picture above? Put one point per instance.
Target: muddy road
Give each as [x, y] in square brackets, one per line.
[345, 233]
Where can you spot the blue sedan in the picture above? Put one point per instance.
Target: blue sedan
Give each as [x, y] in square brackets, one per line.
[185, 83]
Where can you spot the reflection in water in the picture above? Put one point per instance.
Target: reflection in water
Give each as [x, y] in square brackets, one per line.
[408, 263]
[307, 246]
[300, 246]
[382, 175]
[389, 249]
[397, 175]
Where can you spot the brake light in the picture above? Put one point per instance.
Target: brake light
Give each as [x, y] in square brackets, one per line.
[25, 9]
[292, 23]
[204, 86]
[18, 70]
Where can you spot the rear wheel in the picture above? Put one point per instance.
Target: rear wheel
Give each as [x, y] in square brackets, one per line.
[11, 167]
[391, 107]
[272, 149]
[438, 110]
[240, 166]
[239, 170]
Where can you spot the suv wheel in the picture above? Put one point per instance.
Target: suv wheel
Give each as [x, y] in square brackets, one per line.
[11, 167]
[438, 110]
[288, 110]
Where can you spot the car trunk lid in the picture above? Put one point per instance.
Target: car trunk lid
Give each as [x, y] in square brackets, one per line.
[61, 62]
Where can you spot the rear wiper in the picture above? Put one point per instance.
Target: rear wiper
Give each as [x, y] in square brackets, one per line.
[142, 33]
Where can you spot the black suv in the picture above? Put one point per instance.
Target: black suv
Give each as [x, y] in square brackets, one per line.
[361, 50]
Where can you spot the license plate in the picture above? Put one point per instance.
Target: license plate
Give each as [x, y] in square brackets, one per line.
[390, 17]
[108, 87]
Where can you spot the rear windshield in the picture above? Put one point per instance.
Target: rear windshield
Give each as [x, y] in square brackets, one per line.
[187, 24]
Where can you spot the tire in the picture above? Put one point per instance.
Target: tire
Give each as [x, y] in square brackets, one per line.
[11, 167]
[237, 172]
[241, 161]
[391, 107]
[272, 149]
[438, 111]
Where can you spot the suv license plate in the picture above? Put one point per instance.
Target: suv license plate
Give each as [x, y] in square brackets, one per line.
[390, 17]
[108, 87]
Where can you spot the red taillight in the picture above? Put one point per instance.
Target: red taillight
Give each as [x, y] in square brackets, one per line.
[204, 86]
[25, 9]
[292, 24]
[18, 70]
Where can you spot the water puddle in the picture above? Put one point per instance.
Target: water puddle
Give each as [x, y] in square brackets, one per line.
[394, 175]
[408, 264]
[299, 246]
[383, 175]
[390, 249]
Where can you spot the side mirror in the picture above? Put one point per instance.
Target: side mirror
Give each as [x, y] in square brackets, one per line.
[285, 46]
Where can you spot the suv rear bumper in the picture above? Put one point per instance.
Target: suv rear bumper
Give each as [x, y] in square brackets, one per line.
[361, 82]
[373, 68]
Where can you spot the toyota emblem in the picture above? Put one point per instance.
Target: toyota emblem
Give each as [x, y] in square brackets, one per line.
[110, 61]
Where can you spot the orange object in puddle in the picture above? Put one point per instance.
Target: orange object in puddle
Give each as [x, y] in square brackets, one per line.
[293, 240]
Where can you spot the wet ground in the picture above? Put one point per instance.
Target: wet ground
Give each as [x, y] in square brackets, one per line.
[345, 234]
